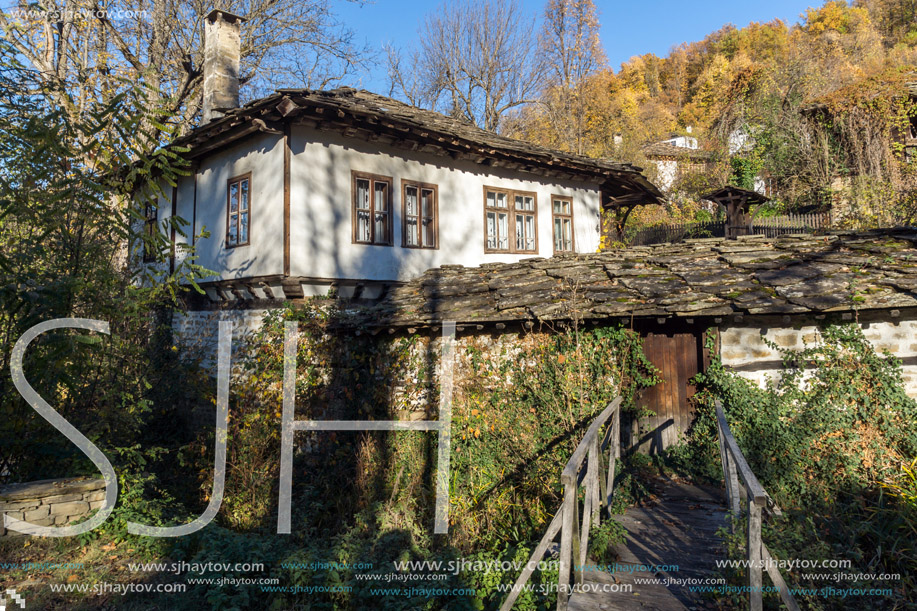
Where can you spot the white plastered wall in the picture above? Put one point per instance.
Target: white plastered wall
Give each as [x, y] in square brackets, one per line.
[321, 231]
[262, 155]
[743, 348]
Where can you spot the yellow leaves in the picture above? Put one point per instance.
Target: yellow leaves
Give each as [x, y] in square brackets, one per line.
[835, 15]
[475, 412]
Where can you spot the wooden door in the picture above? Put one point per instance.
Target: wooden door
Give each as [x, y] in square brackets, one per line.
[677, 351]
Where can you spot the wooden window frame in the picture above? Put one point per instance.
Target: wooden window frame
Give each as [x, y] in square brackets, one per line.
[373, 179]
[248, 233]
[150, 220]
[556, 215]
[511, 219]
[420, 186]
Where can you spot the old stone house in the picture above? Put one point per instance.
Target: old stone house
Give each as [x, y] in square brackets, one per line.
[675, 157]
[306, 190]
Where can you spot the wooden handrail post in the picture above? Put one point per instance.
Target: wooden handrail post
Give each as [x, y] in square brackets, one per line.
[723, 462]
[567, 537]
[614, 449]
[591, 499]
[574, 540]
[754, 555]
[577, 538]
[596, 465]
[604, 496]
[755, 498]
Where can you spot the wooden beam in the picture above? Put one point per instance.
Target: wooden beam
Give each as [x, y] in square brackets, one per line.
[286, 200]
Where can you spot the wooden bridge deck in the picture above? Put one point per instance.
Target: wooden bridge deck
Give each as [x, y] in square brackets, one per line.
[678, 527]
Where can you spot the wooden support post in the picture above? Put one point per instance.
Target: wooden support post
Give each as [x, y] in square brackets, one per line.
[614, 447]
[754, 555]
[577, 565]
[604, 497]
[595, 465]
[590, 501]
[567, 537]
[723, 462]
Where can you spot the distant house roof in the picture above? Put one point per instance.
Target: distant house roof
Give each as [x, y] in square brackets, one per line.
[377, 118]
[792, 274]
[669, 150]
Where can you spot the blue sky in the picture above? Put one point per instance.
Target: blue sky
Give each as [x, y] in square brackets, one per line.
[628, 28]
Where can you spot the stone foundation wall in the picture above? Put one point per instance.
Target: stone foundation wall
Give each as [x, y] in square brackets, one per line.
[197, 332]
[51, 502]
[743, 348]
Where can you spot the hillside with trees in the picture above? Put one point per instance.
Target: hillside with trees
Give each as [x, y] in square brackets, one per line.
[762, 80]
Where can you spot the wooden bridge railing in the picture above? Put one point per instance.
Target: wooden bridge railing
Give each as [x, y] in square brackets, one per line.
[736, 469]
[588, 469]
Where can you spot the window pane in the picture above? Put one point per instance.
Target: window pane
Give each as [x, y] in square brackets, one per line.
[381, 199]
[427, 202]
[501, 200]
[233, 230]
[530, 233]
[520, 233]
[380, 202]
[410, 229]
[429, 239]
[410, 201]
[381, 236]
[558, 206]
[558, 233]
[503, 231]
[243, 201]
[234, 197]
[363, 226]
[362, 194]
[491, 230]
[243, 228]
[568, 234]
[491, 200]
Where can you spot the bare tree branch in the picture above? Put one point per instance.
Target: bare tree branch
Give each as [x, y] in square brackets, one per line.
[82, 50]
[476, 61]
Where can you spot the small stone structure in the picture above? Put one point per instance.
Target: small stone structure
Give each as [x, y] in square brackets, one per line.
[51, 502]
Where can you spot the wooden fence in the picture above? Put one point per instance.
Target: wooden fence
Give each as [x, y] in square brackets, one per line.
[736, 469]
[771, 227]
[585, 468]
[796, 223]
[676, 232]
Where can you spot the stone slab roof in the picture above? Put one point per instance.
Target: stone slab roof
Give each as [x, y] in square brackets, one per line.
[791, 274]
[372, 117]
[667, 149]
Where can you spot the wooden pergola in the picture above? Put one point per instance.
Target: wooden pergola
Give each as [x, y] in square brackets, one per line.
[737, 203]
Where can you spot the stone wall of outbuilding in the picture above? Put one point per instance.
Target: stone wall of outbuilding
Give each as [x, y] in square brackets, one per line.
[51, 502]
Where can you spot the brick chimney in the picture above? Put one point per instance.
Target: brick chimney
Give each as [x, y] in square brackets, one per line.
[222, 42]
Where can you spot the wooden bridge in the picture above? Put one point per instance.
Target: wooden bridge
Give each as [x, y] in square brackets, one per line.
[672, 544]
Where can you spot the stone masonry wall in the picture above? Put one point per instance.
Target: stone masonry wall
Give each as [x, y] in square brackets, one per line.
[51, 502]
[197, 332]
[742, 346]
